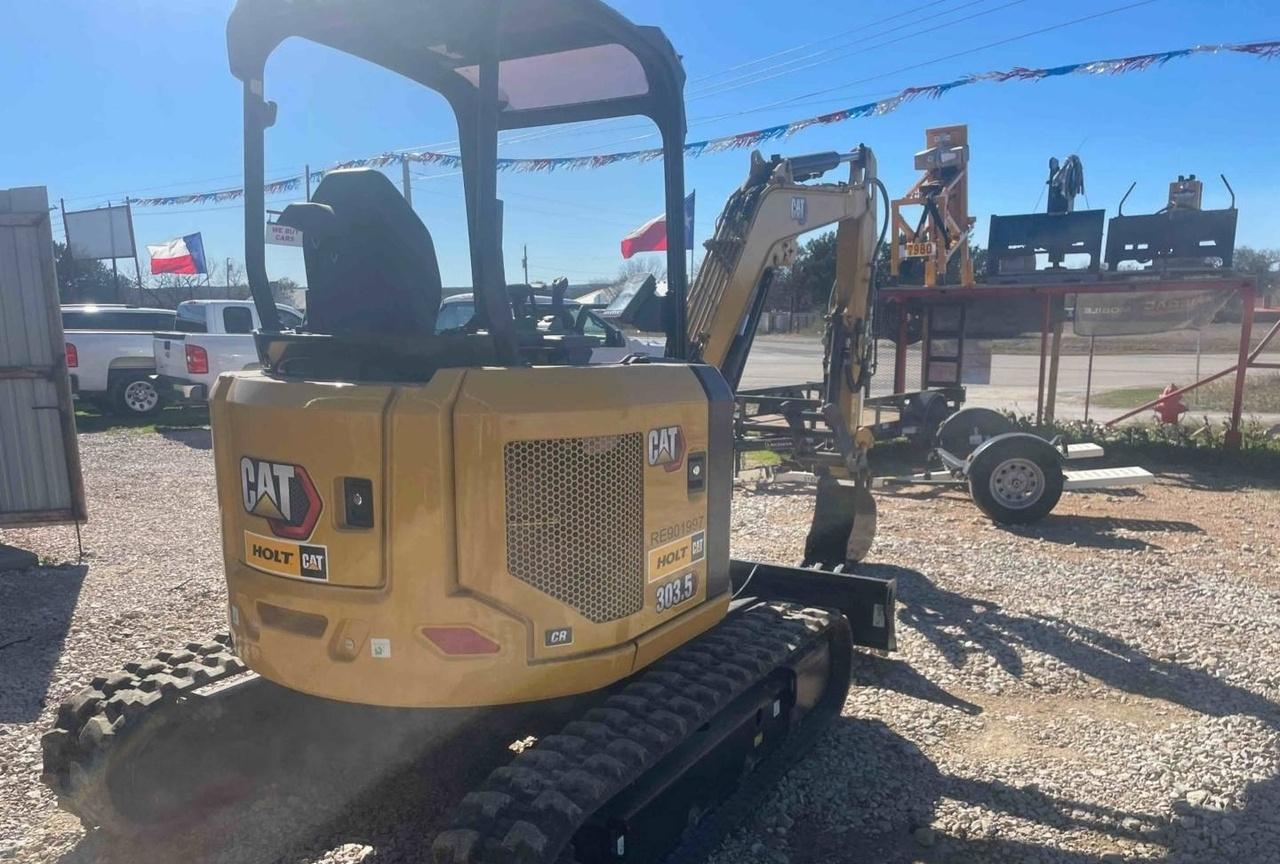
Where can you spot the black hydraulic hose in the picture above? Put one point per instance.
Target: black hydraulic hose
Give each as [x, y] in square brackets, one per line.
[870, 354]
[1229, 189]
[884, 226]
[1120, 209]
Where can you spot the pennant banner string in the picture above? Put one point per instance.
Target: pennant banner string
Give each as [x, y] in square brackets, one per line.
[741, 140]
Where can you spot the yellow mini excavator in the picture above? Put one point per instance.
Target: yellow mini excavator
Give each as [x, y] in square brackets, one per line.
[428, 523]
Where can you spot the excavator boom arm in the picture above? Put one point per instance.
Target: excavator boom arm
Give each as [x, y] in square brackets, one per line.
[755, 234]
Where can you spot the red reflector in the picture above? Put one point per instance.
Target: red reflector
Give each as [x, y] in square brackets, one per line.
[73, 356]
[197, 360]
[460, 640]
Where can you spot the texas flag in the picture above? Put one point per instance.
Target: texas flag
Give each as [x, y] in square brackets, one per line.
[184, 255]
[652, 235]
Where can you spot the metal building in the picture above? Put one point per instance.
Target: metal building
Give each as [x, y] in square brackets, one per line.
[40, 480]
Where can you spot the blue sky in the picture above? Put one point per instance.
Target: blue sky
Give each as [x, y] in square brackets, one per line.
[134, 98]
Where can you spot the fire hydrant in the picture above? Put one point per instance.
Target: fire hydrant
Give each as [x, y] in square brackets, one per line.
[1170, 410]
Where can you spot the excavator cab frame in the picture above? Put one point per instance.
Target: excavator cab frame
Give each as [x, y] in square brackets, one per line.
[499, 66]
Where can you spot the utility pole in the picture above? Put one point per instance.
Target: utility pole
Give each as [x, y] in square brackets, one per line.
[307, 174]
[133, 244]
[524, 262]
[115, 273]
[71, 259]
[404, 181]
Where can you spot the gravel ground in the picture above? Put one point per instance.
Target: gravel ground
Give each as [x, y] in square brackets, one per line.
[1104, 686]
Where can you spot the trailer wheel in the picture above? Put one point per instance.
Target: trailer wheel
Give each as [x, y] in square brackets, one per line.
[1016, 480]
[969, 428]
[135, 395]
[926, 411]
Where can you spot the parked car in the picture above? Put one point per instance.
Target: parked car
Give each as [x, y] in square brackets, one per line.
[109, 355]
[209, 337]
[612, 344]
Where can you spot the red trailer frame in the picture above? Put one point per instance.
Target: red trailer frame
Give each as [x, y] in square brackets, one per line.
[1245, 286]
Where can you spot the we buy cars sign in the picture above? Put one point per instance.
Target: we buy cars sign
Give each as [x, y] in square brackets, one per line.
[283, 235]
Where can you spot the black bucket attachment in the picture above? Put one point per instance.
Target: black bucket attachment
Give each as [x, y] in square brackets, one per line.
[844, 524]
[1015, 241]
[1174, 239]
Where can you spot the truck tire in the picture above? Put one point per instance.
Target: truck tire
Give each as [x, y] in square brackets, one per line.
[134, 394]
[1016, 479]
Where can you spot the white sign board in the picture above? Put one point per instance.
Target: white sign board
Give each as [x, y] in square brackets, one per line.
[977, 362]
[1145, 312]
[101, 233]
[283, 235]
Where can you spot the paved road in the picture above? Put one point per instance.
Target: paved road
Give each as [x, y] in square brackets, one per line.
[1014, 377]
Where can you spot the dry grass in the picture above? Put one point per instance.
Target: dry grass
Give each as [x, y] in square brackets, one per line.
[1261, 395]
[1214, 339]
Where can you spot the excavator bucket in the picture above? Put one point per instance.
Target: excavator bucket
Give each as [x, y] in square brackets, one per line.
[844, 524]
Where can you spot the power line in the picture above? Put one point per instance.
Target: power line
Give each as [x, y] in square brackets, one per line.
[712, 90]
[568, 203]
[437, 176]
[793, 100]
[859, 29]
[140, 213]
[557, 270]
[585, 128]
[576, 217]
[790, 102]
[525, 135]
[277, 174]
[806, 98]
[841, 52]
[525, 209]
[712, 118]
[880, 94]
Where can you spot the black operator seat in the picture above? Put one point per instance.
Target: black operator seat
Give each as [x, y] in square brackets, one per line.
[371, 265]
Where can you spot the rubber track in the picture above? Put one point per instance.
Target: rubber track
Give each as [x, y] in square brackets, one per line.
[95, 727]
[745, 802]
[528, 811]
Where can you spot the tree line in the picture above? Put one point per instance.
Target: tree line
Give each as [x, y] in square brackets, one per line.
[805, 285]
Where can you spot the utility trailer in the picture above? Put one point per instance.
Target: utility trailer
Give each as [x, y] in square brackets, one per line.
[1014, 477]
[788, 418]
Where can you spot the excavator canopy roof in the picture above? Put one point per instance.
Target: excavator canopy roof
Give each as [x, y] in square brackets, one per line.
[558, 60]
[500, 64]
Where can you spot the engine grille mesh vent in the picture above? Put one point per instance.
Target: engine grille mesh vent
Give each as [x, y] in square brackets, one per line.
[575, 521]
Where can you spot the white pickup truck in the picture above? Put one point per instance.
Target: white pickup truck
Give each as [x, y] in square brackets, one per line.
[109, 355]
[209, 337]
